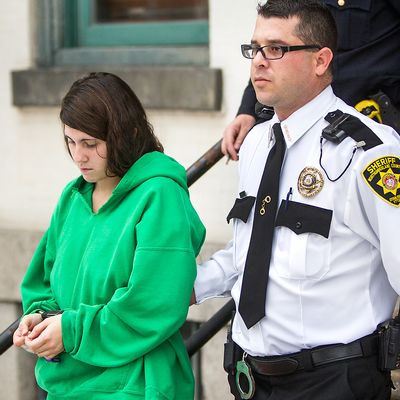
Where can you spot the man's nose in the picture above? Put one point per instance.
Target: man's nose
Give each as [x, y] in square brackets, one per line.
[259, 59]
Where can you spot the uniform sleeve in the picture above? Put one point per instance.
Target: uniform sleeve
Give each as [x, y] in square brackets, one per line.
[216, 276]
[372, 207]
[154, 304]
[396, 5]
[249, 100]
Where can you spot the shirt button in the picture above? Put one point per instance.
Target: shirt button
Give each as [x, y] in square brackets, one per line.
[341, 3]
[298, 225]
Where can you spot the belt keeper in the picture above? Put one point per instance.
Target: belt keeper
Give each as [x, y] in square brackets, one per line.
[306, 360]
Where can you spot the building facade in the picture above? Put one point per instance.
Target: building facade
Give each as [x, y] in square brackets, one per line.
[191, 91]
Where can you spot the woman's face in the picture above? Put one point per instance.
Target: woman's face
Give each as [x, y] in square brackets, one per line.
[88, 153]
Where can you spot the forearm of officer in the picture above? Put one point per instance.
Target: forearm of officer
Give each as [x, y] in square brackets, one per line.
[216, 276]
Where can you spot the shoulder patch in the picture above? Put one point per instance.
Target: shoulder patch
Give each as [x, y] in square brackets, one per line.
[382, 176]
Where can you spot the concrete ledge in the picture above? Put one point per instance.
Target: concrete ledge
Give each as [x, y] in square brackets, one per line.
[131, 55]
[172, 88]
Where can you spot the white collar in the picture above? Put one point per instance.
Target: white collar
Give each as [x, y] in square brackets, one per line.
[298, 123]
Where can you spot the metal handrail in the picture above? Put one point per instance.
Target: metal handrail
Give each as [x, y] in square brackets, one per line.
[204, 163]
[6, 337]
[207, 329]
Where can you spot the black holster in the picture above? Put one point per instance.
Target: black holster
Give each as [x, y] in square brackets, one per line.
[389, 113]
[232, 354]
[389, 344]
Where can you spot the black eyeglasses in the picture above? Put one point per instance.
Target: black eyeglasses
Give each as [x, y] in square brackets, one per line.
[273, 51]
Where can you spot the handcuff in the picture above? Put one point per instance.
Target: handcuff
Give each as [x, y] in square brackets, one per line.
[48, 314]
[243, 369]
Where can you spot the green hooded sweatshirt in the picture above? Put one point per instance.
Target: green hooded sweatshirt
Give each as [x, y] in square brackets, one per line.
[123, 277]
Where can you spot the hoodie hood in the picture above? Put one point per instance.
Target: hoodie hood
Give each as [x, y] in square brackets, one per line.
[151, 165]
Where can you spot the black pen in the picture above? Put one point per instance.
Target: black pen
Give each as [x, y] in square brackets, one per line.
[288, 197]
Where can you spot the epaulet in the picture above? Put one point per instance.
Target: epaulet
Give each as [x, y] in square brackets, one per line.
[342, 125]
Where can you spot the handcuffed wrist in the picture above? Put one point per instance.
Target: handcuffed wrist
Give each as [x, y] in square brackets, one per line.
[51, 313]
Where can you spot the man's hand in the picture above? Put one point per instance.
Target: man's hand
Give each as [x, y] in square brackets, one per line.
[26, 325]
[45, 339]
[235, 133]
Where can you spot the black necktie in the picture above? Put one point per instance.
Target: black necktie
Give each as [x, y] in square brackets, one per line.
[256, 270]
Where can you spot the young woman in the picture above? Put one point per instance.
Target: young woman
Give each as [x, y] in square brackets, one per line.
[109, 285]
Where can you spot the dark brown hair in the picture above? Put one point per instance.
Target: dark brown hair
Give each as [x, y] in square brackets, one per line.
[105, 107]
[316, 23]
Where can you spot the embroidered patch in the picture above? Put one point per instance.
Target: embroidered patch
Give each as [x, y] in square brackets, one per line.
[310, 182]
[382, 176]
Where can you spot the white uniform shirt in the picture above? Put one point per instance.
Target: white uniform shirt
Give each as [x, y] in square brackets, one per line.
[320, 290]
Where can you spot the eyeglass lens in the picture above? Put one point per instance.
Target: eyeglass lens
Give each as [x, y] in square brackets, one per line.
[270, 52]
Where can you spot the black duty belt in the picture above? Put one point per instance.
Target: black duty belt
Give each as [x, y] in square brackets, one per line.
[311, 358]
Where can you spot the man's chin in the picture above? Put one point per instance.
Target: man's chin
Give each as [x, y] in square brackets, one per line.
[265, 100]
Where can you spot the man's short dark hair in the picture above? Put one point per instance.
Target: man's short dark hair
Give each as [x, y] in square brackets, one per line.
[316, 23]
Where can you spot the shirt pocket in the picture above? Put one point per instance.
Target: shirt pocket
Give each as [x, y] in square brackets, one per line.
[303, 240]
[353, 21]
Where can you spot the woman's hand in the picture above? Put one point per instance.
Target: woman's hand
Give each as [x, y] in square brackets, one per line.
[45, 339]
[27, 323]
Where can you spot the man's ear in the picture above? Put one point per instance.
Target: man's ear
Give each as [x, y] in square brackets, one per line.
[323, 59]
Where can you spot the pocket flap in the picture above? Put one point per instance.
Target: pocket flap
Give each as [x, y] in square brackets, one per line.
[241, 209]
[303, 218]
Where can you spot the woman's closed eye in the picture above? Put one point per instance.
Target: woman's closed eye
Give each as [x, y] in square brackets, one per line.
[89, 144]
